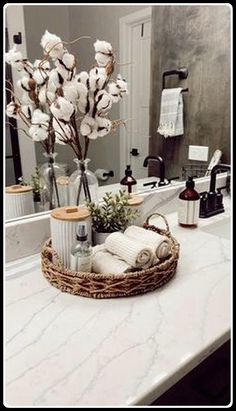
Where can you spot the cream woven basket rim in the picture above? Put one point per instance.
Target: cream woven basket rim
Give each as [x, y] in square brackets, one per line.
[97, 285]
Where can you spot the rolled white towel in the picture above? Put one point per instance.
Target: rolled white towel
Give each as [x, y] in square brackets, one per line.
[161, 245]
[106, 263]
[97, 248]
[133, 252]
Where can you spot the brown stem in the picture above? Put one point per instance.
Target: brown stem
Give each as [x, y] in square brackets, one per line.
[18, 129]
[74, 41]
[13, 94]
[24, 119]
[87, 141]
[76, 137]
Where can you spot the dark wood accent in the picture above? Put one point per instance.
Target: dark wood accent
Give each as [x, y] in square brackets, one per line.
[207, 384]
[12, 129]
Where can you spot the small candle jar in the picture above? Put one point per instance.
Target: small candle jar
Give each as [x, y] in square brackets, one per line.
[18, 201]
[63, 224]
[135, 203]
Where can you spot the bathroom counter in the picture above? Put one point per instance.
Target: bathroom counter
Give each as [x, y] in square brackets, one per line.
[68, 350]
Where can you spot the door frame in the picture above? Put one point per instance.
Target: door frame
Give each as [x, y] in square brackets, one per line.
[126, 25]
[14, 22]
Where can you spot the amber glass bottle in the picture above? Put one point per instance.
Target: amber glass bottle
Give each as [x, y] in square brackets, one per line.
[128, 180]
[189, 202]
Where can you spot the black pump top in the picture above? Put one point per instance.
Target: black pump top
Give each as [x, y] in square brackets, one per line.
[190, 183]
[81, 232]
[128, 171]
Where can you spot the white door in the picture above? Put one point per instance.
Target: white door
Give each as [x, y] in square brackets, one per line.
[139, 95]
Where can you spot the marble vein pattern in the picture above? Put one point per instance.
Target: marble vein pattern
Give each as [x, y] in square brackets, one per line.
[64, 350]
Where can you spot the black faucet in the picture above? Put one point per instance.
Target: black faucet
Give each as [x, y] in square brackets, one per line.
[211, 203]
[163, 181]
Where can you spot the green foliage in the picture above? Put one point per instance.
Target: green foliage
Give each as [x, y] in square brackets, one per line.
[22, 182]
[35, 183]
[114, 214]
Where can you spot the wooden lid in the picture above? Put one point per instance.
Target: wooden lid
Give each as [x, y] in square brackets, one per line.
[63, 180]
[135, 200]
[70, 213]
[17, 189]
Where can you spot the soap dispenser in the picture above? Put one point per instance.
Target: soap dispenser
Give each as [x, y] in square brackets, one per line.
[128, 180]
[188, 207]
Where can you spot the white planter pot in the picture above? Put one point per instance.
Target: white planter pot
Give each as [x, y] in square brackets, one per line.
[99, 238]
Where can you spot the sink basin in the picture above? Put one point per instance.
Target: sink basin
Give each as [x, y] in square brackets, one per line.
[219, 228]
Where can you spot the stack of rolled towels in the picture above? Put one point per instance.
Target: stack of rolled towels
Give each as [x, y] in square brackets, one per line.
[135, 249]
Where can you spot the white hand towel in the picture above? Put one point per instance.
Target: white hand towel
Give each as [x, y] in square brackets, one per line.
[161, 245]
[106, 263]
[133, 252]
[171, 113]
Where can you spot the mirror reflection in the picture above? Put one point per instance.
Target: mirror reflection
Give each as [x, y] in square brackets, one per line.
[108, 97]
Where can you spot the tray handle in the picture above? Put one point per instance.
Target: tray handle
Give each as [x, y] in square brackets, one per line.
[167, 231]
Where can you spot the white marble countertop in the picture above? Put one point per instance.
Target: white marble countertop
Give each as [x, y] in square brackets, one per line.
[64, 350]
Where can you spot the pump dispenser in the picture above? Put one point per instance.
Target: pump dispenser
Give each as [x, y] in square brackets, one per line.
[128, 180]
[189, 202]
[81, 251]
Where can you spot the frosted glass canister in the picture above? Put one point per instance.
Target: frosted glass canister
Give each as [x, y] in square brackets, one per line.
[18, 201]
[63, 224]
[136, 203]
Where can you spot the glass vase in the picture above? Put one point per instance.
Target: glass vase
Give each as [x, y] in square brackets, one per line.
[83, 184]
[49, 172]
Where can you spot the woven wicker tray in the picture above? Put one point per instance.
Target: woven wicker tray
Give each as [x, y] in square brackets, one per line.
[111, 285]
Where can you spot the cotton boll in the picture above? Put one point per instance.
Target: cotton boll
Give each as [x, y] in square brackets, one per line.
[62, 109]
[103, 47]
[40, 76]
[70, 91]
[82, 90]
[27, 110]
[54, 79]
[62, 131]
[92, 83]
[83, 78]
[102, 59]
[14, 58]
[97, 78]
[38, 133]
[24, 84]
[64, 73]
[52, 45]
[104, 101]
[12, 109]
[122, 84]
[68, 60]
[42, 64]
[104, 126]
[42, 95]
[25, 99]
[82, 104]
[114, 92]
[88, 127]
[51, 96]
[93, 135]
[40, 118]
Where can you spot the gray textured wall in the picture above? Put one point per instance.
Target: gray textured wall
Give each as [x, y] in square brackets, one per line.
[197, 37]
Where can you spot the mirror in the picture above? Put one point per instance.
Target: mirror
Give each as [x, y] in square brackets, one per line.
[197, 37]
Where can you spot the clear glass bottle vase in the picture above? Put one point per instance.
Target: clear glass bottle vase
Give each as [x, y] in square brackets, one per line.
[83, 184]
[49, 172]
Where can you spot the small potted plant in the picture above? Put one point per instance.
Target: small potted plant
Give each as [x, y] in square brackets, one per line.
[113, 214]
